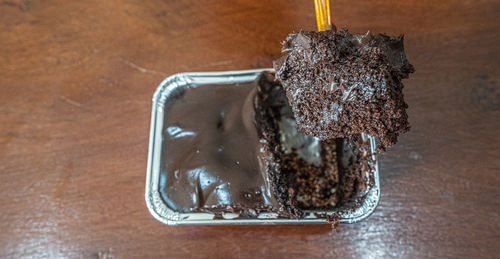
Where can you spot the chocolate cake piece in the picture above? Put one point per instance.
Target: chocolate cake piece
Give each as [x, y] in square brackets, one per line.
[303, 171]
[341, 84]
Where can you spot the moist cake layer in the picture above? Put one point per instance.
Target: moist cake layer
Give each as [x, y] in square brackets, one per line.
[341, 84]
[304, 173]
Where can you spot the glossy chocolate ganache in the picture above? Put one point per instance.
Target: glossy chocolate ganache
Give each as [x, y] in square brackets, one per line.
[235, 148]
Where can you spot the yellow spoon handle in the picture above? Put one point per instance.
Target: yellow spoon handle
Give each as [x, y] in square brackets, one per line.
[323, 18]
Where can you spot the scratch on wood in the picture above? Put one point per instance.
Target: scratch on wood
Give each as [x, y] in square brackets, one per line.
[105, 254]
[141, 69]
[72, 102]
[108, 81]
[26, 6]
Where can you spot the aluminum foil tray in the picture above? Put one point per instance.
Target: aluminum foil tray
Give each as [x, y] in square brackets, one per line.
[163, 213]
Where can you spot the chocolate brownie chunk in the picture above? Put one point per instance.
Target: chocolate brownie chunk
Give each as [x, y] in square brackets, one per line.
[341, 84]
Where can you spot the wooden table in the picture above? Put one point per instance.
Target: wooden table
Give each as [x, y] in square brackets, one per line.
[76, 81]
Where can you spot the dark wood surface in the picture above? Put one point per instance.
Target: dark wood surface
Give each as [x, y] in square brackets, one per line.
[76, 81]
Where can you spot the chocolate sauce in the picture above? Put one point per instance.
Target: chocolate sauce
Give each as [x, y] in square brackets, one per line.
[211, 151]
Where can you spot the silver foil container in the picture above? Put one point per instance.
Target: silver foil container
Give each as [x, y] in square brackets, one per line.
[160, 210]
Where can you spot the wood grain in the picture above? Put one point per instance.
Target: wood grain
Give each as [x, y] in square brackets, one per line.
[76, 81]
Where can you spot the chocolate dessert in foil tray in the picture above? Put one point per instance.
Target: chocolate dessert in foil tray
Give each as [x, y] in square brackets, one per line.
[224, 149]
[279, 147]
